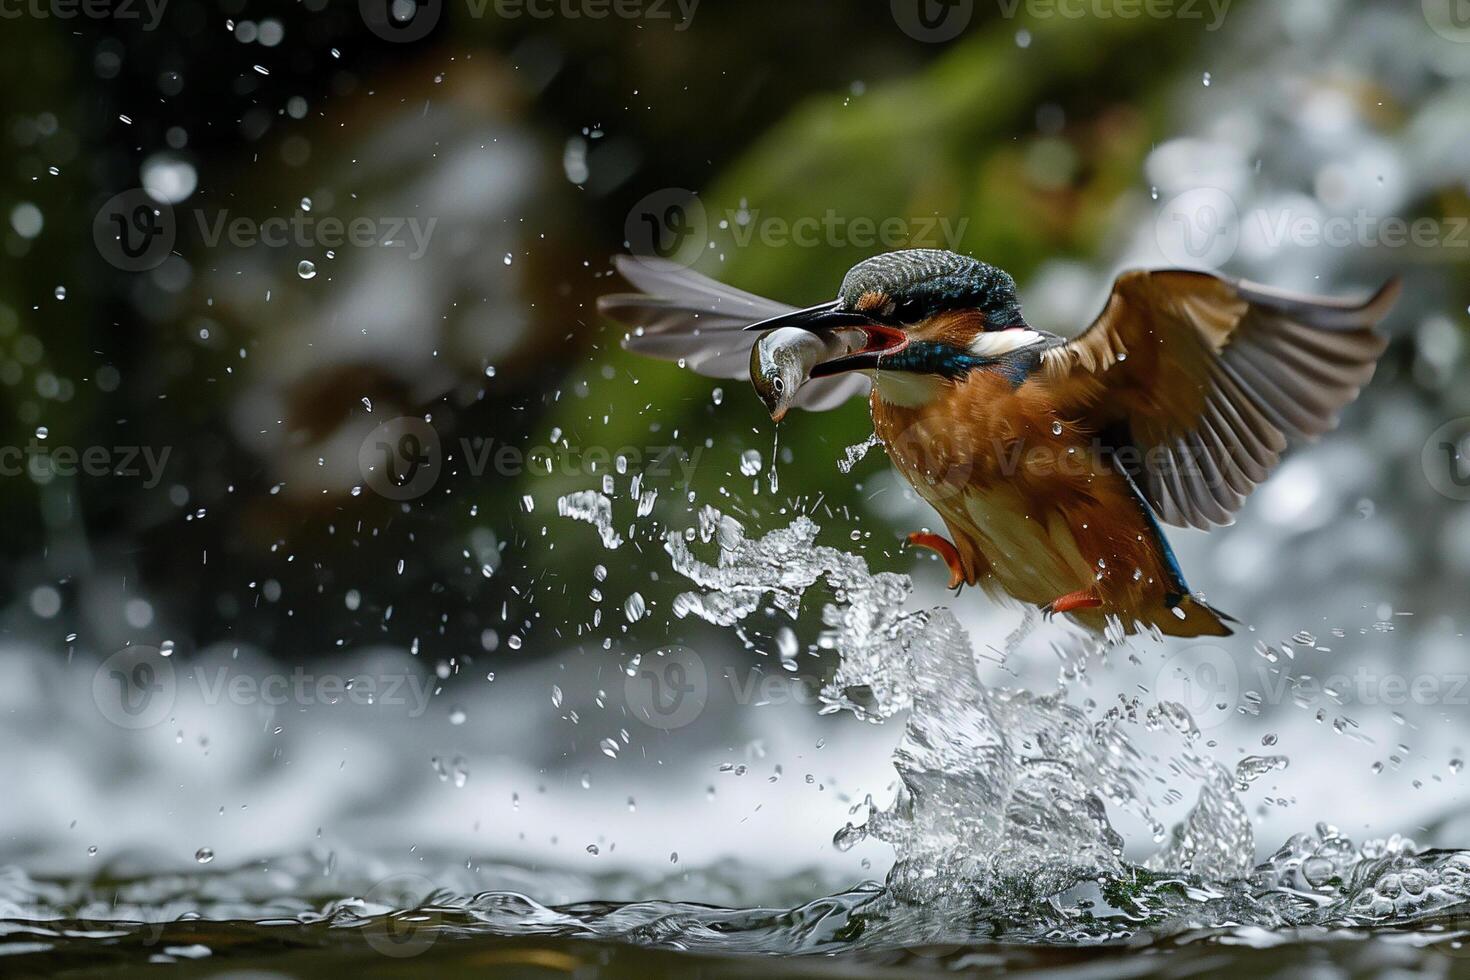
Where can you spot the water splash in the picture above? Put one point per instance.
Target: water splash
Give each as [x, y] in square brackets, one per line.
[997, 785]
[592, 508]
[853, 455]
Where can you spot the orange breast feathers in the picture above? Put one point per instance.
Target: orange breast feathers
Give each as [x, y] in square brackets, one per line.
[982, 430]
[1025, 486]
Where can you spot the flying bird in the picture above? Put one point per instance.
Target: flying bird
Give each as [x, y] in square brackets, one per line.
[1052, 461]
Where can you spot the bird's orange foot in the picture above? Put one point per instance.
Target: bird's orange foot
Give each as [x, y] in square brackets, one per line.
[943, 549]
[1070, 602]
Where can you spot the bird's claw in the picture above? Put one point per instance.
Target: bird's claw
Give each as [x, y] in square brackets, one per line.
[1069, 603]
[945, 550]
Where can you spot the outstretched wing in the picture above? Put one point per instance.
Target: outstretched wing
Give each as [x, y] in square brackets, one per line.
[680, 315]
[1198, 382]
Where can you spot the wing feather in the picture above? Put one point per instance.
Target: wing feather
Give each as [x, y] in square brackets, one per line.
[1209, 378]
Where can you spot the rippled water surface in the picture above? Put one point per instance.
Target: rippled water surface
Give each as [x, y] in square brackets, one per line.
[1006, 856]
[294, 917]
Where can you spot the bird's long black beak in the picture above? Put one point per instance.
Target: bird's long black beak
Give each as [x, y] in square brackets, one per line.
[881, 338]
[827, 316]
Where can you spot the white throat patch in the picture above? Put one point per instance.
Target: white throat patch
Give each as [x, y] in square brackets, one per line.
[906, 389]
[994, 343]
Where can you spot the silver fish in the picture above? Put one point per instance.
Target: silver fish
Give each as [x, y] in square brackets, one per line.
[782, 361]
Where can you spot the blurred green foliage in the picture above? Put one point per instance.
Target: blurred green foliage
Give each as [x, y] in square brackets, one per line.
[787, 111]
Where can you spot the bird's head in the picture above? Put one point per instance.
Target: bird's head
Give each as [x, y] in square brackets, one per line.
[922, 310]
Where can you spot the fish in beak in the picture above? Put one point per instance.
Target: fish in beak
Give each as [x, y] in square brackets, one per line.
[880, 339]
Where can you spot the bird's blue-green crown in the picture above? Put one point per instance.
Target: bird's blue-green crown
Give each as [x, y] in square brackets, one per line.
[925, 281]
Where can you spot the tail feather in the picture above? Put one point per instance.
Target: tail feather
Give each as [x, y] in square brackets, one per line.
[1191, 617]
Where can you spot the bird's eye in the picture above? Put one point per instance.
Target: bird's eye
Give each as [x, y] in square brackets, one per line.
[779, 385]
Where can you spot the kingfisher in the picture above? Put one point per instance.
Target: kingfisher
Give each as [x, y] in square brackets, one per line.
[1051, 462]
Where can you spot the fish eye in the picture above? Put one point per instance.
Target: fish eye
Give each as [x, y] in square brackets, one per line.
[779, 385]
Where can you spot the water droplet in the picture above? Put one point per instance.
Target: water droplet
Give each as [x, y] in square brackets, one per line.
[593, 850]
[634, 607]
[457, 715]
[1056, 428]
[204, 855]
[556, 696]
[306, 270]
[61, 292]
[750, 462]
[306, 204]
[1208, 79]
